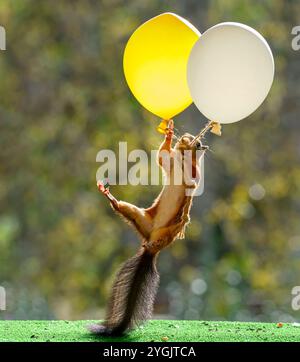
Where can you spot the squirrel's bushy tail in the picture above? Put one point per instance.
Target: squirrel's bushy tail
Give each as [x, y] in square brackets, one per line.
[133, 295]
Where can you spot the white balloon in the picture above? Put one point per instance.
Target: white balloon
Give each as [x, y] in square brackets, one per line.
[230, 72]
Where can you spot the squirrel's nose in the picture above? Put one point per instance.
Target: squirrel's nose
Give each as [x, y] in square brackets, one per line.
[204, 147]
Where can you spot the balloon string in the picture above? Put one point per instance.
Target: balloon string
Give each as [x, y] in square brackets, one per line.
[201, 134]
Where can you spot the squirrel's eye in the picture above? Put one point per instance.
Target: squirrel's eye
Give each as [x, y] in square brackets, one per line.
[198, 145]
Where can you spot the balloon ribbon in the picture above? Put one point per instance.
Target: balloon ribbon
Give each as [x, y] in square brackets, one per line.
[214, 128]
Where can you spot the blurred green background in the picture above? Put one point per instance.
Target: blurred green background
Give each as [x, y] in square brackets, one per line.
[63, 98]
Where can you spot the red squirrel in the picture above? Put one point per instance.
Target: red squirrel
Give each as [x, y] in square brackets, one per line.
[136, 283]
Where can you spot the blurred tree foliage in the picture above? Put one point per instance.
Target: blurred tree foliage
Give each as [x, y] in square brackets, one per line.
[63, 98]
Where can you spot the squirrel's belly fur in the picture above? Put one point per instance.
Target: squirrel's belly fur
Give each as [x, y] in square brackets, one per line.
[169, 205]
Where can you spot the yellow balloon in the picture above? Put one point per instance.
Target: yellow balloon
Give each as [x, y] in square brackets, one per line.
[155, 64]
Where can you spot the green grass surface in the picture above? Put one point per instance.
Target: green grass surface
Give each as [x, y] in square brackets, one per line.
[155, 330]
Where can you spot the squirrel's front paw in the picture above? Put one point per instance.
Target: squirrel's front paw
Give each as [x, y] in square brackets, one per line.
[170, 130]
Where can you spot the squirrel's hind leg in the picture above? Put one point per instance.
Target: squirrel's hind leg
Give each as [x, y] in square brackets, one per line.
[137, 217]
[162, 237]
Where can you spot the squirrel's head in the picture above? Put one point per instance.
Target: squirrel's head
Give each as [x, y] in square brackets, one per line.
[188, 142]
